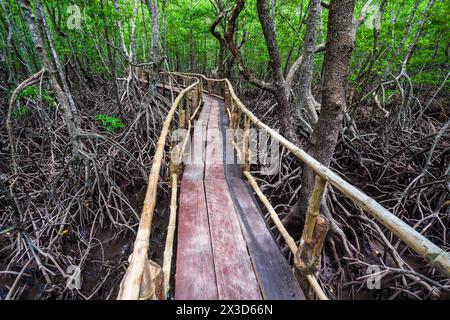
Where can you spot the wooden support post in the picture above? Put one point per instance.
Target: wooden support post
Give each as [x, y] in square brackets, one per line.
[314, 231]
[151, 286]
[152, 282]
[313, 208]
[238, 121]
[234, 117]
[246, 143]
[182, 114]
[308, 256]
[209, 87]
[175, 165]
[193, 100]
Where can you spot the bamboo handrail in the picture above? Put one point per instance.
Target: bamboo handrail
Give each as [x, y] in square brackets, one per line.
[435, 256]
[286, 236]
[131, 282]
[316, 287]
[273, 215]
[130, 286]
[168, 251]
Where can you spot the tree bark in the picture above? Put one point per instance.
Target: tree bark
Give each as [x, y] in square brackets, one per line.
[156, 55]
[305, 102]
[191, 39]
[269, 31]
[62, 94]
[163, 28]
[323, 140]
[130, 52]
[111, 59]
[219, 72]
[9, 43]
[278, 86]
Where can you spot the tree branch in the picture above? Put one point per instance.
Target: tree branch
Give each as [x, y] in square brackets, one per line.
[249, 76]
[296, 65]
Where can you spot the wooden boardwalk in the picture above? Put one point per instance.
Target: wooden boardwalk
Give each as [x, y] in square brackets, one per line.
[225, 250]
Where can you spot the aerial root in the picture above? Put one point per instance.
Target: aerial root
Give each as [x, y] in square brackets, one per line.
[63, 212]
[399, 159]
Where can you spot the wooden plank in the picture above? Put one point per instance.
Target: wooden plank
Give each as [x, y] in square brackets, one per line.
[194, 172]
[214, 146]
[235, 276]
[233, 171]
[195, 164]
[198, 146]
[229, 156]
[214, 150]
[214, 138]
[214, 171]
[195, 277]
[273, 272]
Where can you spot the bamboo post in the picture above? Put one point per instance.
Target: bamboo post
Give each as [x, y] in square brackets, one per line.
[194, 99]
[226, 97]
[199, 91]
[181, 115]
[313, 208]
[246, 143]
[209, 86]
[152, 282]
[308, 256]
[229, 115]
[234, 117]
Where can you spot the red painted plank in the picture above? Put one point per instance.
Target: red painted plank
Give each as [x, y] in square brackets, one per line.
[198, 147]
[214, 146]
[273, 271]
[235, 276]
[194, 172]
[195, 278]
[214, 171]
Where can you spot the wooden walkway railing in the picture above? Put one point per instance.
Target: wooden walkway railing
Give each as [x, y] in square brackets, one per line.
[141, 278]
[144, 279]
